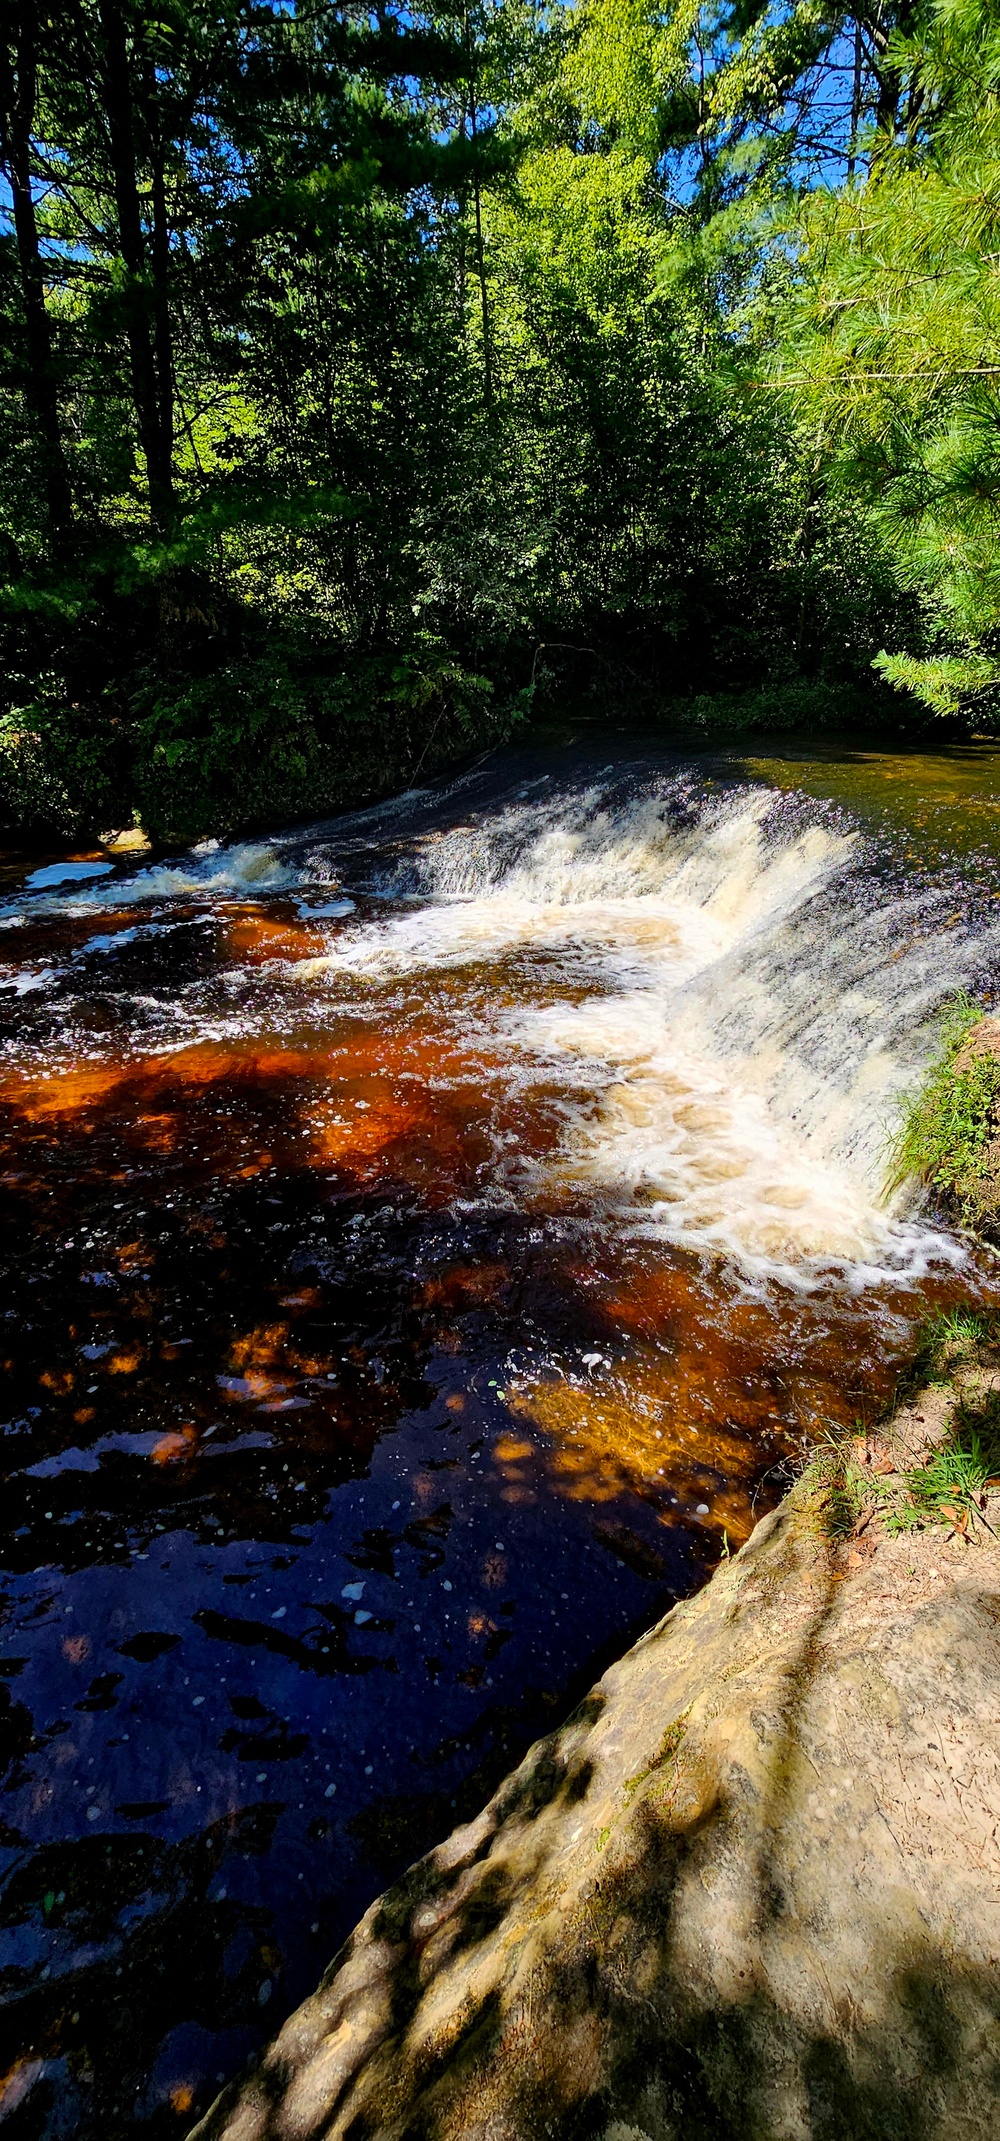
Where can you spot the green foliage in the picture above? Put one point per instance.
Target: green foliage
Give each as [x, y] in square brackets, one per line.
[60, 766]
[371, 378]
[946, 683]
[888, 348]
[794, 705]
[839, 1488]
[951, 1486]
[274, 737]
[947, 1340]
[949, 1131]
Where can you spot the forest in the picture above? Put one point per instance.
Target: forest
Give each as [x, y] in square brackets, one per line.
[378, 378]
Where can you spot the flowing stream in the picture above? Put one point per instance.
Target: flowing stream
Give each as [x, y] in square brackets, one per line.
[428, 1239]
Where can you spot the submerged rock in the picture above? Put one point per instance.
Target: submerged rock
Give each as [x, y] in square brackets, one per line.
[752, 1888]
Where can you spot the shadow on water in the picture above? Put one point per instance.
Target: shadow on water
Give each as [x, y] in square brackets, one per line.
[196, 1395]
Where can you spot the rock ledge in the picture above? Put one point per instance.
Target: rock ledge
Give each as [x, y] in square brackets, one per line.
[752, 1888]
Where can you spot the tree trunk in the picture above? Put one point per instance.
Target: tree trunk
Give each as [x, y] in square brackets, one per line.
[855, 98]
[478, 211]
[483, 295]
[889, 86]
[162, 331]
[153, 396]
[17, 107]
[888, 78]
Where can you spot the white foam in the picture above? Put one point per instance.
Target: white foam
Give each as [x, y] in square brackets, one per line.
[30, 979]
[65, 873]
[753, 1010]
[689, 1148]
[206, 873]
[727, 1005]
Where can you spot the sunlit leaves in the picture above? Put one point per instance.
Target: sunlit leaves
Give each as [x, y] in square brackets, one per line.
[891, 349]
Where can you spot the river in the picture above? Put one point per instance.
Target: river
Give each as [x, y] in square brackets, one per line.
[429, 1239]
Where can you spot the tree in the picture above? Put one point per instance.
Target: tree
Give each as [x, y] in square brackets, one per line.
[37, 372]
[890, 347]
[404, 365]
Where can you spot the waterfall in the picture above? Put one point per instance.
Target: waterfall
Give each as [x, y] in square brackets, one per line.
[727, 988]
[755, 999]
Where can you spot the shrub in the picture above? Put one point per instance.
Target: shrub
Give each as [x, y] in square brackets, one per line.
[269, 738]
[60, 767]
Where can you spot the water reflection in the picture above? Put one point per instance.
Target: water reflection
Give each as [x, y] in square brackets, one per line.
[344, 1439]
[939, 804]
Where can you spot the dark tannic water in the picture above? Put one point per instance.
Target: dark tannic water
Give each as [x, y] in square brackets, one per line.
[426, 1238]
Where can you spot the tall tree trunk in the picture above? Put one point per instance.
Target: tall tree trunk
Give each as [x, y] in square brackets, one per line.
[153, 396]
[18, 89]
[855, 98]
[478, 212]
[162, 331]
[888, 78]
[889, 85]
[483, 293]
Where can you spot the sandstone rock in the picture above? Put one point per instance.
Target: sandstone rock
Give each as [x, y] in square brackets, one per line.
[752, 1889]
[983, 1039]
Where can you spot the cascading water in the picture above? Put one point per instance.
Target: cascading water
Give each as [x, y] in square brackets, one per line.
[419, 1227]
[751, 1008]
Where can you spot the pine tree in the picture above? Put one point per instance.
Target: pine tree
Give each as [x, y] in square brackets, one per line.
[891, 348]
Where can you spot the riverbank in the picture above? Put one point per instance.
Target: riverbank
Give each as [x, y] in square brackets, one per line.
[424, 1235]
[752, 1887]
[255, 744]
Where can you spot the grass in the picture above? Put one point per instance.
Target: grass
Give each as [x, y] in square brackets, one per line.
[949, 1137]
[840, 1488]
[951, 1488]
[952, 1485]
[947, 1341]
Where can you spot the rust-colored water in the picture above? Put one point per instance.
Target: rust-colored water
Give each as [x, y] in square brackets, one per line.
[409, 1285]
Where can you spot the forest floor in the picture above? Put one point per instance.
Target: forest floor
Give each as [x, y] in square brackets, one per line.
[752, 1887]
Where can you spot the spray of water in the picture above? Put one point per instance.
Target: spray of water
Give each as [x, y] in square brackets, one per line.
[740, 999]
[754, 1004]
